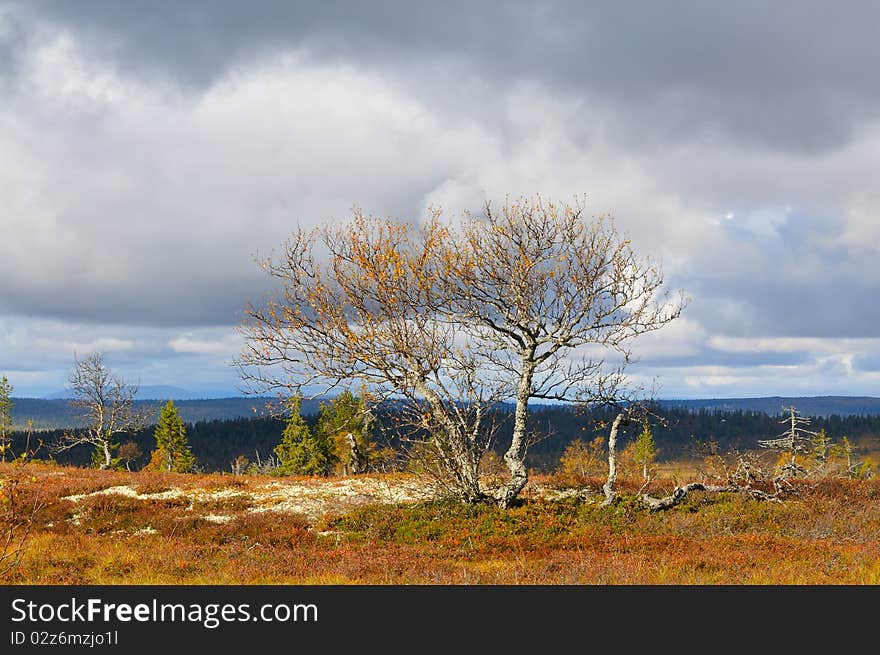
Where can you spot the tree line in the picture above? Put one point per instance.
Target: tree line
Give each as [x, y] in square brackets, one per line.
[251, 441]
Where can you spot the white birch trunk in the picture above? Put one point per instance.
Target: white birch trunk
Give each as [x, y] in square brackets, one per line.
[108, 460]
[608, 487]
[515, 456]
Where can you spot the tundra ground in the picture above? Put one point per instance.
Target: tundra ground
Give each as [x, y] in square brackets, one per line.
[109, 527]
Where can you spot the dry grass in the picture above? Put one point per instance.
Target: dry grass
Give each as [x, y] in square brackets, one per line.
[205, 529]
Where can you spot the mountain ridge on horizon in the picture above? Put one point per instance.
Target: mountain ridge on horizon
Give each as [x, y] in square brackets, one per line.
[824, 405]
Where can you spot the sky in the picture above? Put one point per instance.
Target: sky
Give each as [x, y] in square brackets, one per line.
[150, 151]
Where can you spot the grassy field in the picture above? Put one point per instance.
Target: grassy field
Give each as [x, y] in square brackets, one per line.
[103, 527]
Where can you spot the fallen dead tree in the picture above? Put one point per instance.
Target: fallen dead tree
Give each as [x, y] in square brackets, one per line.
[680, 493]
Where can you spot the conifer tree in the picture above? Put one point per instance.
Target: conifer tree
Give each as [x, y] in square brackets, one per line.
[645, 449]
[301, 451]
[346, 425]
[822, 446]
[172, 451]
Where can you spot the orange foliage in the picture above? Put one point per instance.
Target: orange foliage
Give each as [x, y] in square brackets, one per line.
[827, 535]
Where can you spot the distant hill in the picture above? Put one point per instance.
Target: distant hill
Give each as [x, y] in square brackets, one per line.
[54, 413]
[145, 392]
[807, 405]
[48, 414]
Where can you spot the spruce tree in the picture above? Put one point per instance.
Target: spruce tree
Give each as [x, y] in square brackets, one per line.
[343, 416]
[302, 452]
[172, 451]
[645, 449]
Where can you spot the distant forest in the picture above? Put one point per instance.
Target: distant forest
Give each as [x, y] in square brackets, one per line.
[49, 414]
[217, 442]
[808, 406]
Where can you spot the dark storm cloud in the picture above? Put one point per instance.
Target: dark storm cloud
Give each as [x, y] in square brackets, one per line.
[12, 39]
[794, 75]
[833, 309]
[196, 42]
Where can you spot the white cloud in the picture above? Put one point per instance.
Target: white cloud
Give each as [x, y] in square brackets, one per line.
[833, 345]
[227, 345]
[861, 229]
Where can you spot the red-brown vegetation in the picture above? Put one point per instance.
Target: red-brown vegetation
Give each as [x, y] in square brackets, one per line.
[828, 533]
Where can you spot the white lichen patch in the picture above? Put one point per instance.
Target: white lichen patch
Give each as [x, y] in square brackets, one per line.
[312, 498]
[122, 490]
[563, 494]
[335, 496]
[129, 492]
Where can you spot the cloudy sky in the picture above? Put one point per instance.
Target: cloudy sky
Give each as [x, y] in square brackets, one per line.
[149, 150]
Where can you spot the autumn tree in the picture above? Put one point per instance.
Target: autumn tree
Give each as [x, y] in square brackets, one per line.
[852, 468]
[172, 452]
[5, 417]
[360, 303]
[580, 460]
[106, 406]
[451, 319]
[301, 450]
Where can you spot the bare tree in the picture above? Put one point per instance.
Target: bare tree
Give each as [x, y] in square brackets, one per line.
[106, 405]
[796, 439]
[549, 294]
[736, 478]
[239, 465]
[623, 418]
